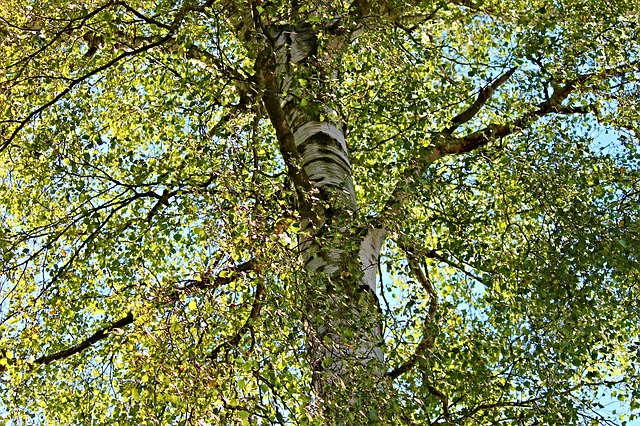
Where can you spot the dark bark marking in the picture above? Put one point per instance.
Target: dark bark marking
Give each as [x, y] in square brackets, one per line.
[322, 139]
[330, 160]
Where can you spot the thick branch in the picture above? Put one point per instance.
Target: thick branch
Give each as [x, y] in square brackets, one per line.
[496, 131]
[86, 343]
[225, 276]
[284, 135]
[444, 144]
[484, 95]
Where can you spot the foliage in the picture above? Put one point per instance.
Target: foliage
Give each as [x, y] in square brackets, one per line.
[150, 270]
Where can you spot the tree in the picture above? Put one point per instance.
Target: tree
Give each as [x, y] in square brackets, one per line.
[219, 212]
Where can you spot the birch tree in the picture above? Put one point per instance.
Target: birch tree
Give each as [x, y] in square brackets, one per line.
[267, 212]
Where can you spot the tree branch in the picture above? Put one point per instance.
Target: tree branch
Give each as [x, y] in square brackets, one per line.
[494, 131]
[171, 28]
[467, 412]
[428, 337]
[206, 281]
[444, 399]
[144, 18]
[248, 324]
[86, 343]
[284, 135]
[223, 277]
[432, 254]
[443, 144]
[484, 95]
[366, 12]
[23, 122]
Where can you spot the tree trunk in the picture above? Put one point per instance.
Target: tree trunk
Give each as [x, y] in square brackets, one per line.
[340, 251]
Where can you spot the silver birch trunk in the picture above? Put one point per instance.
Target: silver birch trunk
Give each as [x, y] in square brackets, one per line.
[344, 321]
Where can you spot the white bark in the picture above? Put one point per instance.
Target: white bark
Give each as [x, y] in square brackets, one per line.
[370, 255]
[343, 313]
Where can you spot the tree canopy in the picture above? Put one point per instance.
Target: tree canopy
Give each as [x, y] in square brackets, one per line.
[272, 212]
